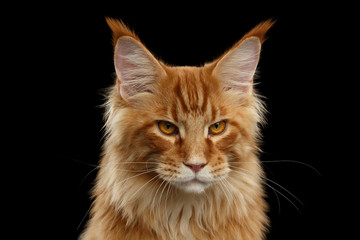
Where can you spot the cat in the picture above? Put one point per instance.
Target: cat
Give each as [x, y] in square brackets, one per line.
[180, 159]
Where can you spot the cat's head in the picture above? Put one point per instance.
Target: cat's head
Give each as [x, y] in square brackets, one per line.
[190, 125]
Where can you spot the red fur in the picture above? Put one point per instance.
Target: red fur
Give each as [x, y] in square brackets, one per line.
[138, 195]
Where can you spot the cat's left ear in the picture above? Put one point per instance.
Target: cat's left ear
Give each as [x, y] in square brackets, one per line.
[136, 68]
[236, 68]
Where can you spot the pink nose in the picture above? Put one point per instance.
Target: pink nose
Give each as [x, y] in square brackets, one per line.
[195, 167]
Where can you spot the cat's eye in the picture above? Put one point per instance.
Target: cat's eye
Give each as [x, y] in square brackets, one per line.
[217, 128]
[167, 128]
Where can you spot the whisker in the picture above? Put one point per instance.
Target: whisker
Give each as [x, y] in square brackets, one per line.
[82, 220]
[223, 189]
[156, 176]
[207, 196]
[278, 200]
[129, 163]
[88, 174]
[283, 196]
[87, 212]
[285, 190]
[279, 161]
[161, 194]
[115, 185]
[135, 170]
[155, 195]
[167, 183]
[294, 161]
[121, 166]
[118, 164]
[136, 162]
[126, 179]
[110, 163]
[169, 187]
[76, 160]
[267, 179]
[229, 186]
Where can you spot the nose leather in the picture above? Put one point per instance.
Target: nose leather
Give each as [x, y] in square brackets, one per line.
[195, 167]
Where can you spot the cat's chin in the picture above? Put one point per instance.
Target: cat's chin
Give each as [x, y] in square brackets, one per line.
[193, 186]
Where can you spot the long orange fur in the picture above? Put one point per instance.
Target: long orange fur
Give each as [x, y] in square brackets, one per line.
[132, 202]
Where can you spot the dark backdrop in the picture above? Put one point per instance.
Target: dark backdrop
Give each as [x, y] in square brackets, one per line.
[70, 52]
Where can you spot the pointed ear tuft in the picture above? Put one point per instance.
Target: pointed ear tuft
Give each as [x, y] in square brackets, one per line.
[119, 29]
[137, 70]
[260, 30]
[236, 68]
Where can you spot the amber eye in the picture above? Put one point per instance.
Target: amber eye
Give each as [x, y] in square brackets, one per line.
[217, 128]
[167, 128]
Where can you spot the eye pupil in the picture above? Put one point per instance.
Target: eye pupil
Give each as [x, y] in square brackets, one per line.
[217, 128]
[167, 127]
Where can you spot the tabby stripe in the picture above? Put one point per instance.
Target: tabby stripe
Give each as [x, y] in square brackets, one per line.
[179, 95]
[205, 96]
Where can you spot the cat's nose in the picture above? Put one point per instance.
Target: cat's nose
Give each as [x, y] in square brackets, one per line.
[195, 167]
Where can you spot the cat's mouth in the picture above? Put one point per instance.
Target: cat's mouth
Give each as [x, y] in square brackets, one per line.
[193, 186]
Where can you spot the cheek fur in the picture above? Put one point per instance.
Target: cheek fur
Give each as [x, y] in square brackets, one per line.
[227, 142]
[156, 142]
[148, 135]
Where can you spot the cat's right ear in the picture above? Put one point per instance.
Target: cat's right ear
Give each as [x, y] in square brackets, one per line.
[236, 68]
[136, 68]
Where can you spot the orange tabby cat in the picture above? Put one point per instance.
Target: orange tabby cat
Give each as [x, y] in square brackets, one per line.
[180, 160]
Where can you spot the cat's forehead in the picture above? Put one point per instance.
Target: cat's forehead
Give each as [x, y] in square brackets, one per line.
[192, 95]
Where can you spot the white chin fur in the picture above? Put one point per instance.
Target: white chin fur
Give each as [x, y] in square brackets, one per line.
[193, 186]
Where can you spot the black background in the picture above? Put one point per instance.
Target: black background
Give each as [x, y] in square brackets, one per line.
[68, 51]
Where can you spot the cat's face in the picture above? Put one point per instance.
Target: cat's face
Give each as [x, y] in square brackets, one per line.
[188, 123]
[192, 129]
[189, 129]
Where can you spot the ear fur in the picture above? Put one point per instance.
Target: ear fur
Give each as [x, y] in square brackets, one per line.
[119, 29]
[236, 67]
[136, 68]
